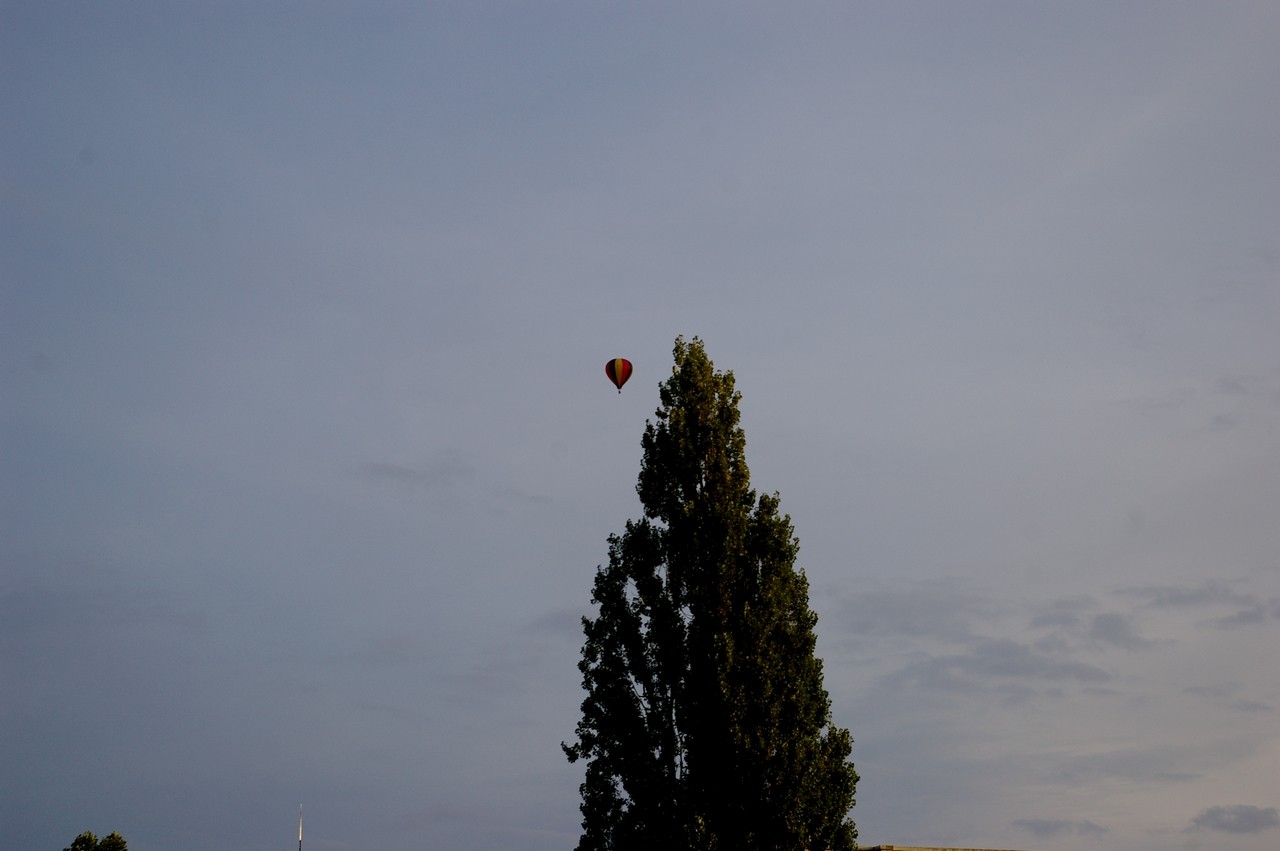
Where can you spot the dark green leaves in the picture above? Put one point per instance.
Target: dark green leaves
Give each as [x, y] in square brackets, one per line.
[88, 841]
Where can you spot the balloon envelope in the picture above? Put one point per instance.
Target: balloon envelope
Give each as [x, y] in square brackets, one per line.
[618, 370]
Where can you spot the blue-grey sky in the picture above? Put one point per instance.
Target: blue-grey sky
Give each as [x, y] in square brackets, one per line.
[308, 457]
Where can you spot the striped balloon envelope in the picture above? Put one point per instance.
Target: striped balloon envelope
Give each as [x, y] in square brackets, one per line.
[618, 370]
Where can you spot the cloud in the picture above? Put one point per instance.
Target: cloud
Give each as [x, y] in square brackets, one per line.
[564, 623]
[1246, 705]
[1118, 631]
[393, 651]
[938, 610]
[1063, 612]
[1183, 596]
[995, 659]
[1256, 612]
[1234, 385]
[1241, 818]
[1043, 828]
[1072, 626]
[1057, 618]
[1132, 764]
[1006, 658]
[1226, 696]
[1250, 609]
[443, 471]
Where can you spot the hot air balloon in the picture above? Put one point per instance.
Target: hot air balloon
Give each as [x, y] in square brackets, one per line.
[618, 370]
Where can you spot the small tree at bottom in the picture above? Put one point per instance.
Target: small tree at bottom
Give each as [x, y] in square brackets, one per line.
[88, 841]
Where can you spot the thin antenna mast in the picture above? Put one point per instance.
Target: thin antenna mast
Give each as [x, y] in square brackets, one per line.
[299, 827]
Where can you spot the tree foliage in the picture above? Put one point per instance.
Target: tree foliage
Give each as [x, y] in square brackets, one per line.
[706, 724]
[88, 841]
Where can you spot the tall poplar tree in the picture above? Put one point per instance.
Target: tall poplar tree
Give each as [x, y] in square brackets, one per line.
[706, 724]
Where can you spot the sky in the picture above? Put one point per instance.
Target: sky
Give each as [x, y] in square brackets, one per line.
[307, 455]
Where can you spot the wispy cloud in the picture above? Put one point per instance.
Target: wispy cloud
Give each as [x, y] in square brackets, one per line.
[1229, 697]
[1043, 828]
[1187, 596]
[1062, 612]
[442, 471]
[1250, 609]
[940, 611]
[1118, 631]
[1257, 612]
[1240, 818]
[1174, 762]
[991, 661]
